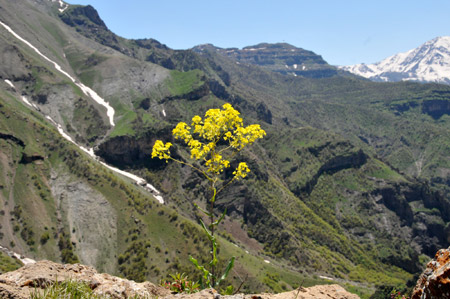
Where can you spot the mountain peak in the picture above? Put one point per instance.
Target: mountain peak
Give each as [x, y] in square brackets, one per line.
[83, 16]
[429, 62]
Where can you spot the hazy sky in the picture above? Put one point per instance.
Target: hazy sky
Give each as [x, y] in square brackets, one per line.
[342, 31]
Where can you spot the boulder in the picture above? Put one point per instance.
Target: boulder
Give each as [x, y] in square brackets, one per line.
[435, 280]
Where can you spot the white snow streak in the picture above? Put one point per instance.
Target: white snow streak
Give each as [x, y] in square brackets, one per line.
[87, 91]
[164, 112]
[266, 261]
[63, 6]
[325, 277]
[10, 83]
[140, 181]
[26, 101]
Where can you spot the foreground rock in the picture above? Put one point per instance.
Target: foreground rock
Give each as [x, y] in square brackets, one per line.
[20, 283]
[435, 280]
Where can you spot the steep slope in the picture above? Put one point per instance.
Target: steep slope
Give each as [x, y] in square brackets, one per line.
[429, 62]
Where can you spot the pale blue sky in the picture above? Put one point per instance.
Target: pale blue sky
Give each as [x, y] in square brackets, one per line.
[342, 31]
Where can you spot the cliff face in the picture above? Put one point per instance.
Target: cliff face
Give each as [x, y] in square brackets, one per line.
[281, 58]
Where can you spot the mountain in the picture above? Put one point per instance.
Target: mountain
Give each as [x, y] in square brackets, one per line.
[351, 183]
[282, 58]
[428, 63]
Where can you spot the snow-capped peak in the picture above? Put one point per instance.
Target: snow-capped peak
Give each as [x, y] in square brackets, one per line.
[428, 63]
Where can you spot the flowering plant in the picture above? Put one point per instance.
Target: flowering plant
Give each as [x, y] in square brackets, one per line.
[180, 284]
[214, 140]
[397, 295]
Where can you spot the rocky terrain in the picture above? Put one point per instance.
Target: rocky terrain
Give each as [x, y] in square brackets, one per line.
[39, 276]
[434, 283]
[35, 277]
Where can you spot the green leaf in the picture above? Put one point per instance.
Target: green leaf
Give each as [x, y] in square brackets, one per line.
[204, 211]
[221, 217]
[208, 233]
[206, 274]
[227, 291]
[227, 270]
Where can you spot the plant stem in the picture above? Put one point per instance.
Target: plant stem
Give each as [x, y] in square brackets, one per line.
[213, 267]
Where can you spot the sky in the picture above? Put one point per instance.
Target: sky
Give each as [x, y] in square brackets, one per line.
[343, 32]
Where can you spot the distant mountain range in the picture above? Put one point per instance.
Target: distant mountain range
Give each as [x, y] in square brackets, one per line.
[428, 63]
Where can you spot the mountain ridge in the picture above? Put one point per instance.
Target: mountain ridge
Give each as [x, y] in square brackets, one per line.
[278, 57]
[429, 62]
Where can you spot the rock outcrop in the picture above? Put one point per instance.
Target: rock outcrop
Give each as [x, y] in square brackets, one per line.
[20, 283]
[434, 283]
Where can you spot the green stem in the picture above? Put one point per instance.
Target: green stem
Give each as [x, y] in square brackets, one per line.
[211, 218]
[193, 167]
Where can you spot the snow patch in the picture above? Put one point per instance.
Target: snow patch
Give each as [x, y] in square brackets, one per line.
[266, 261]
[254, 49]
[51, 120]
[164, 112]
[10, 83]
[26, 101]
[30, 103]
[325, 277]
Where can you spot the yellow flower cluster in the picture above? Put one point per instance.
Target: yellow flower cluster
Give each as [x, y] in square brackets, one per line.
[219, 124]
[161, 150]
[241, 171]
